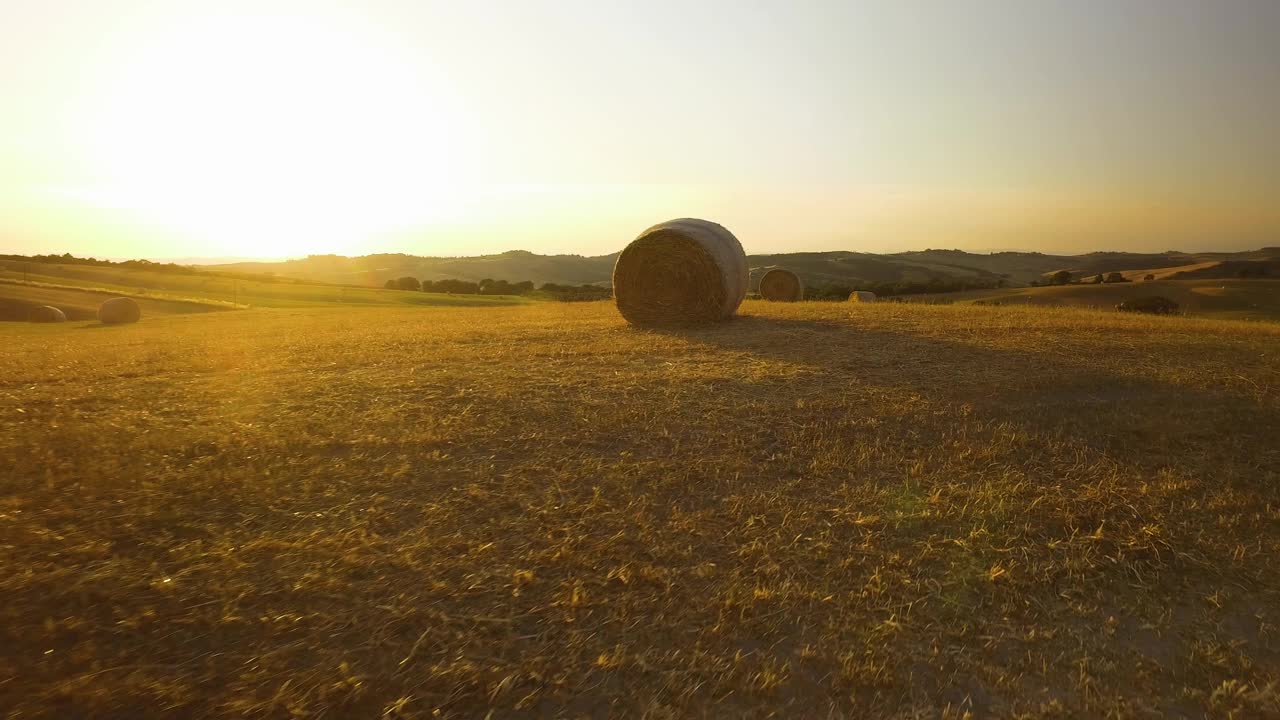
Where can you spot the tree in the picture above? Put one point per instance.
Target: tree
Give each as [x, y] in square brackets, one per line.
[408, 283]
[1115, 277]
[458, 287]
[495, 287]
[1062, 277]
[390, 285]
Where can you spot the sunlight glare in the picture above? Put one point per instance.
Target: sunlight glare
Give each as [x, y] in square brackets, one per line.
[275, 136]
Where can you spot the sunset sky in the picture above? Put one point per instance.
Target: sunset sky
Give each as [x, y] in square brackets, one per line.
[134, 128]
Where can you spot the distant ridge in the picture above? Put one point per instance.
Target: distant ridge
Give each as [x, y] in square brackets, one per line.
[816, 268]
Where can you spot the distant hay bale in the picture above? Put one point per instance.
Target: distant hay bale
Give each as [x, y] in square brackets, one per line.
[46, 314]
[681, 272]
[781, 285]
[119, 310]
[862, 296]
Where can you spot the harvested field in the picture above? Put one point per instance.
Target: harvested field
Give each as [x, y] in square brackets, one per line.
[812, 510]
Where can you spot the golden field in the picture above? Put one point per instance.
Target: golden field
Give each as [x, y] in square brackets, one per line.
[815, 510]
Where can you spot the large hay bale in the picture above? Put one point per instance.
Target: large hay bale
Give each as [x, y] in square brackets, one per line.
[681, 272]
[46, 314]
[781, 285]
[119, 310]
[862, 296]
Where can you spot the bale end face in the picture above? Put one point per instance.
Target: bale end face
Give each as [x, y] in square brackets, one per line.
[682, 272]
[46, 314]
[781, 285]
[117, 311]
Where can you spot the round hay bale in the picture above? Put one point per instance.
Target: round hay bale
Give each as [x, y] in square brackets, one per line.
[119, 310]
[681, 272]
[781, 285]
[862, 296]
[46, 314]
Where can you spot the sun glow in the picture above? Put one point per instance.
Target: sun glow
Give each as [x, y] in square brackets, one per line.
[273, 136]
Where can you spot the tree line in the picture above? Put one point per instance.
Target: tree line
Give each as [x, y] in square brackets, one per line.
[1063, 277]
[488, 286]
[842, 291]
[69, 259]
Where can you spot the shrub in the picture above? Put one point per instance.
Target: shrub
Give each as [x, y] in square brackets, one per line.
[1115, 277]
[1153, 304]
[575, 293]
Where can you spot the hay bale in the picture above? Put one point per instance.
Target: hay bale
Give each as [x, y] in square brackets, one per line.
[681, 272]
[781, 285]
[119, 310]
[862, 296]
[46, 314]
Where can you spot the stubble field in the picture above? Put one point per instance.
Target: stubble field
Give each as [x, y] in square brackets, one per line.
[815, 510]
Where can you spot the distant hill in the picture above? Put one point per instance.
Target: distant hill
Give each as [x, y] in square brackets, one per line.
[374, 270]
[816, 268]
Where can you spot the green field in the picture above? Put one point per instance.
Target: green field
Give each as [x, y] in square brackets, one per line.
[814, 510]
[229, 290]
[1216, 298]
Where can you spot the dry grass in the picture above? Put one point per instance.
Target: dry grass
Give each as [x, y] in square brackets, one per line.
[816, 510]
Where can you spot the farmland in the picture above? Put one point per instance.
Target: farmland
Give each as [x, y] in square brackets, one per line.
[1230, 299]
[813, 510]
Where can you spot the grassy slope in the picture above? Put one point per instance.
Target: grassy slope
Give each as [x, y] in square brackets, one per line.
[817, 510]
[139, 283]
[17, 299]
[1223, 299]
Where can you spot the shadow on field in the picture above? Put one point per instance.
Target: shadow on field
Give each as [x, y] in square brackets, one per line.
[1111, 405]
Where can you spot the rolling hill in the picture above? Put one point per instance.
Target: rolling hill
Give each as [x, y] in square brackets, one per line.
[17, 299]
[1204, 284]
[79, 289]
[1250, 299]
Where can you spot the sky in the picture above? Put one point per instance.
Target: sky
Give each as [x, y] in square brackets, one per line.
[272, 128]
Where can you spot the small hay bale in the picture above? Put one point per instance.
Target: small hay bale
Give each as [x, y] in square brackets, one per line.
[119, 310]
[46, 314]
[862, 296]
[681, 272]
[781, 285]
